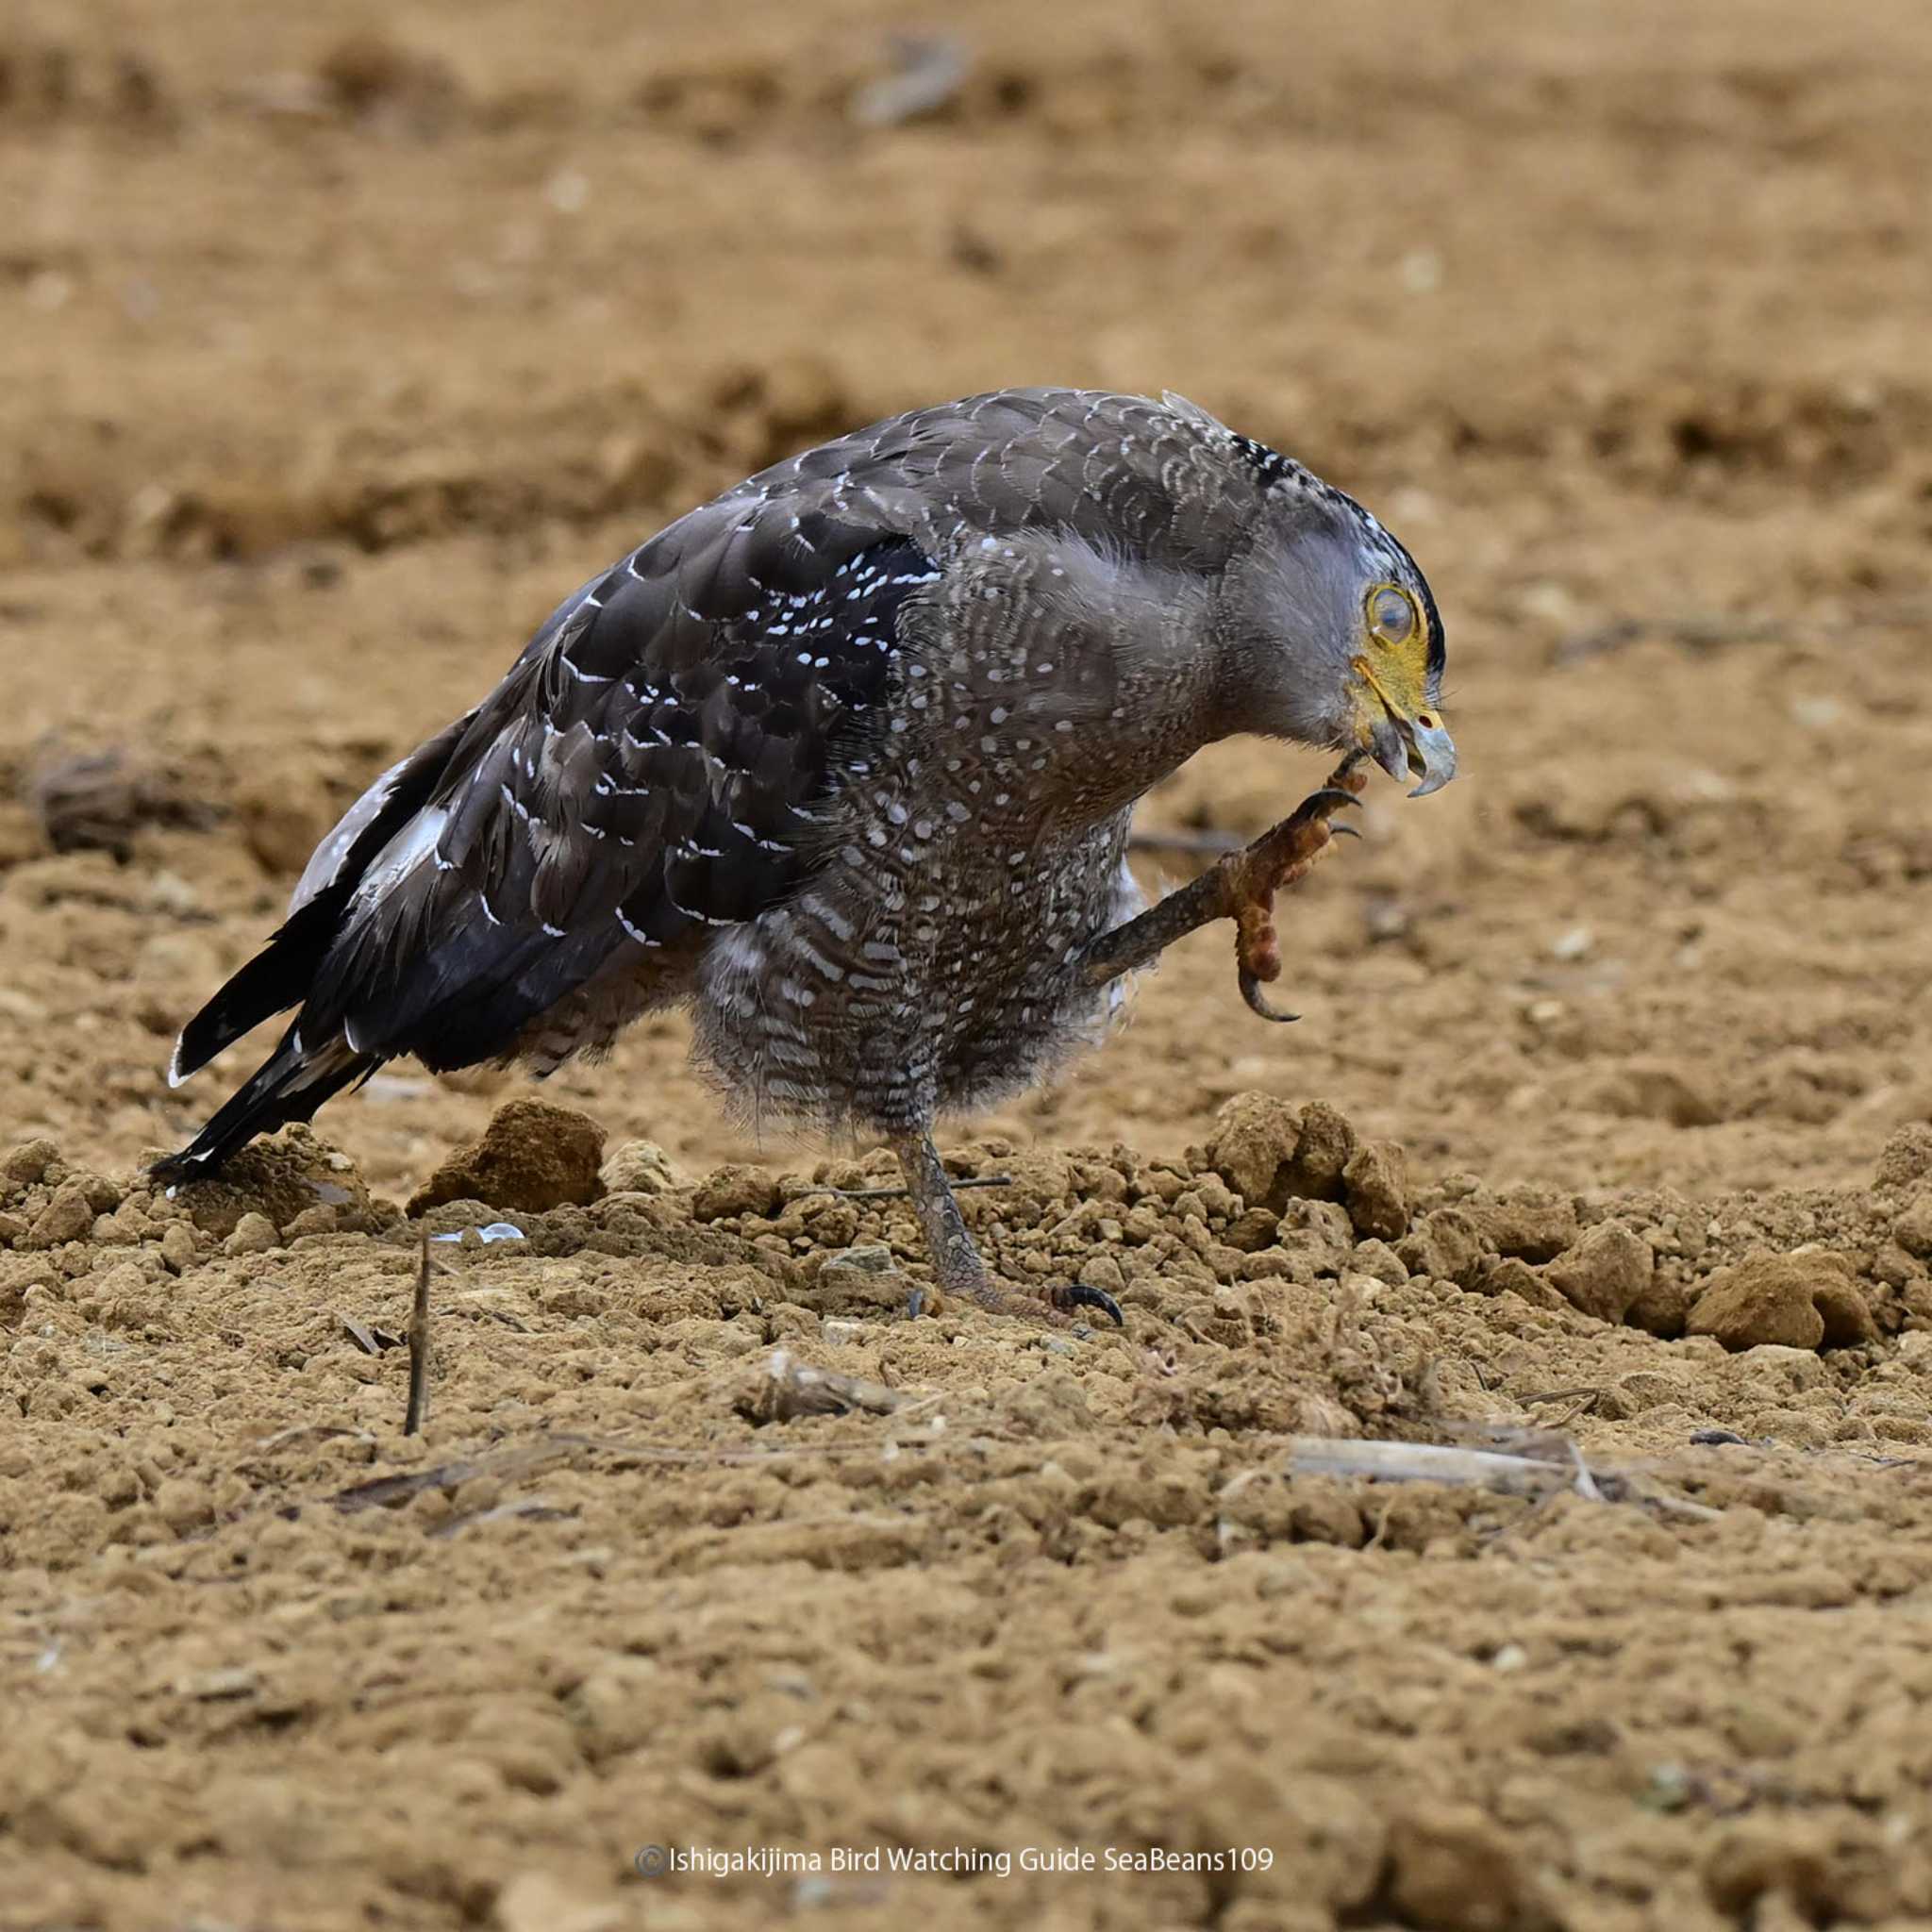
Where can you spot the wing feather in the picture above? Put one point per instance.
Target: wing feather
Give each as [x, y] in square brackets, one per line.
[620, 794]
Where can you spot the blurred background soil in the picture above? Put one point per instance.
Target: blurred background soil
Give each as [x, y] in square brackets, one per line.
[339, 344]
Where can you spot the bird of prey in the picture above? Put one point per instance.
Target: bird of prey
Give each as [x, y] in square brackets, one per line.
[843, 762]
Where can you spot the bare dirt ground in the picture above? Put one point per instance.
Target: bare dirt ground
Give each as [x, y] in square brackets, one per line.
[335, 353]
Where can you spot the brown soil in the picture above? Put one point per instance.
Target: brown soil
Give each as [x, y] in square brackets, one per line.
[338, 352]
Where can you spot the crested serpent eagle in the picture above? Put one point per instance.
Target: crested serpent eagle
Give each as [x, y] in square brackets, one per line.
[843, 762]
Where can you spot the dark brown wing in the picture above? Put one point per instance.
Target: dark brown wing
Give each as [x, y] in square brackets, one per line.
[652, 772]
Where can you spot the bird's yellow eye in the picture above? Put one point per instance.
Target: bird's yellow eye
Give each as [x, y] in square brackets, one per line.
[1392, 614]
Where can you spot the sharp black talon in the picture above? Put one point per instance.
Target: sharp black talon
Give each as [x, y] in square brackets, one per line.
[1330, 798]
[1344, 831]
[1080, 1296]
[1257, 1000]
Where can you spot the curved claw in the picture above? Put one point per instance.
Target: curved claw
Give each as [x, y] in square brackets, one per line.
[1330, 798]
[1344, 831]
[1078, 1295]
[1257, 1000]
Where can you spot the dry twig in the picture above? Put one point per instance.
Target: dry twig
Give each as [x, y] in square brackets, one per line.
[418, 1347]
[1544, 1466]
[508, 1465]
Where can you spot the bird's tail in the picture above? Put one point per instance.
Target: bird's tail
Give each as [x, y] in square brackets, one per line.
[300, 1074]
[275, 979]
[287, 1086]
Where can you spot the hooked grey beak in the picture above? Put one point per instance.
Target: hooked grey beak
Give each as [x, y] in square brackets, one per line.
[1415, 747]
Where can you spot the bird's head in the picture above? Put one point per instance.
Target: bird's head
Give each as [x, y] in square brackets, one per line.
[1328, 635]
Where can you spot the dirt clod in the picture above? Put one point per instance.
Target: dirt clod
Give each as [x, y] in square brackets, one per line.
[280, 821]
[65, 1217]
[853, 1281]
[279, 1178]
[98, 801]
[1327, 1145]
[1606, 1273]
[1255, 1139]
[1662, 1306]
[176, 1245]
[1804, 1300]
[533, 1157]
[1532, 1223]
[29, 1161]
[1454, 1871]
[736, 1190]
[1375, 1183]
[639, 1167]
[1912, 1229]
[1907, 1157]
[254, 1234]
[1448, 1245]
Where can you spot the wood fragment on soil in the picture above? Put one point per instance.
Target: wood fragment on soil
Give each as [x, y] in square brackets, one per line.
[311, 1432]
[363, 1337]
[789, 1387]
[1551, 1464]
[370, 1339]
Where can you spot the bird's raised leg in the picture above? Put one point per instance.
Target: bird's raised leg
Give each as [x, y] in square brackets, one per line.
[1240, 887]
[956, 1263]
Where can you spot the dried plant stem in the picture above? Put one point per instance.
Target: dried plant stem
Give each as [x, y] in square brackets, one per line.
[418, 1347]
[1561, 1468]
